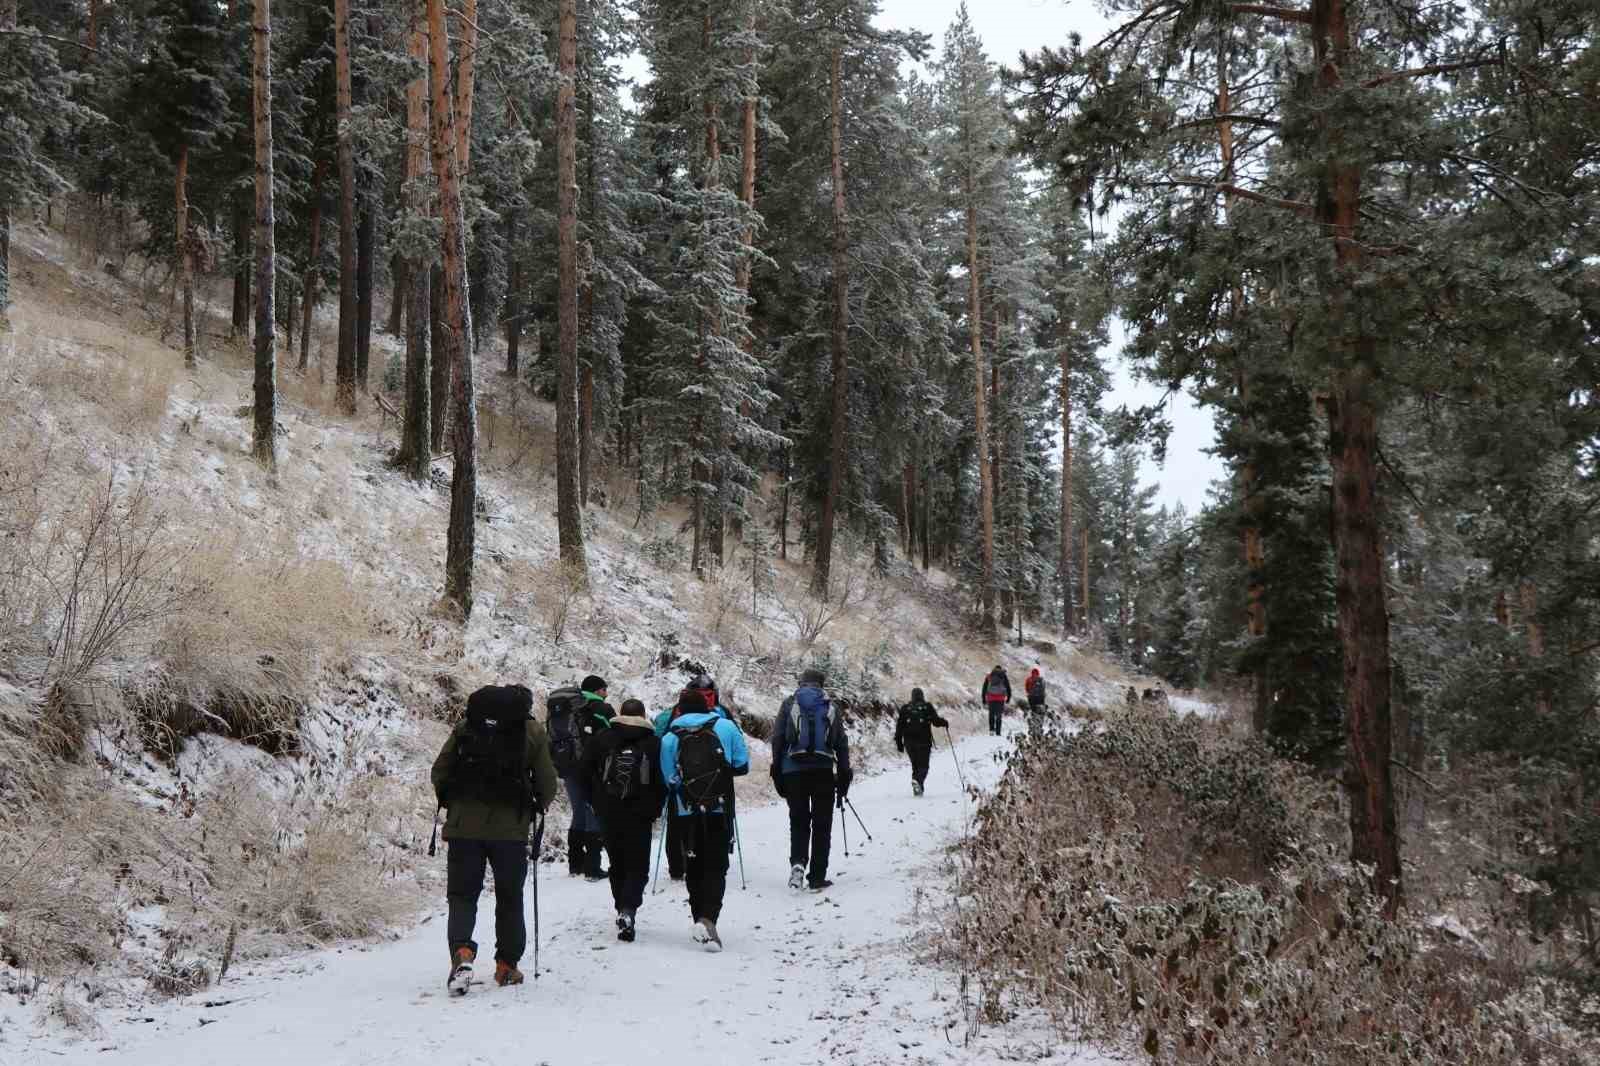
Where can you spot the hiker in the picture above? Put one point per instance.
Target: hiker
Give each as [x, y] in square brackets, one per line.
[701, 753]
[700, 694]
[622, 769]
[996, 694]
[1034, 687]
[913, 734]
[577, 716]
[493, 775]
[810, 762]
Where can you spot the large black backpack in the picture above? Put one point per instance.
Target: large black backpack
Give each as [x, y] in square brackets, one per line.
[626, 772]
[564, 715]
[491, 763]
[707, 779]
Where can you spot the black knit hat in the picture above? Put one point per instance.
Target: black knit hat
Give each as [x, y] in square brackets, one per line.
[594, 684]
[916, 695]
[812, 676]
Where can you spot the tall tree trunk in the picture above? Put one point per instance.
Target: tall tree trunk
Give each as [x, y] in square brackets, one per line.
[398, 297]
[416, 442]
[458, 323]
[585, 428]
[1255, 558]
[586, 369]
[366, 238]
[925, 524]
[1083, 598]
[1064, 564]
[242, 264]
[291, 317]
[838, 430]
[439, 367]
[266, 383]
[185, 256]
[1357, 534]
[985, 471]
[309, 300]
[345, 366]
[91, 34]
[513, 294]
[466, 76]
[569, 516]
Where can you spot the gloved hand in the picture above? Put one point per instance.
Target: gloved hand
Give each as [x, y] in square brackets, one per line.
[900, 747]
[777, 785]
[843, 784]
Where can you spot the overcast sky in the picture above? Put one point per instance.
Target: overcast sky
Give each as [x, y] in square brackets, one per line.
[1011, 26]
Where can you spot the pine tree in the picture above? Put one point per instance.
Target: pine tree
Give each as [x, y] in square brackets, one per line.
[345, 364]
[416, 453]
[568, 505]
[266, 339]
[457, 320]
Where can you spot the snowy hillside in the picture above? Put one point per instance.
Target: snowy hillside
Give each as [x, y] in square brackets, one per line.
[259, 749]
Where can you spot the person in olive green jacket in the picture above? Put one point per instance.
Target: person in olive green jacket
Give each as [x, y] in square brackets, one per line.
[492, 790]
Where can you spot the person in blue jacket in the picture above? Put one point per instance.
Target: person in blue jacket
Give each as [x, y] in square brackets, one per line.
[703, 808]
[701, 694]
[810, 766]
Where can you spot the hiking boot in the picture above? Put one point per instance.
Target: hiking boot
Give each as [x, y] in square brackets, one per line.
[916, 788]
[506, 974]
[705, 934]
[797, 876]
[575, 842]
[593, 855]
[818, 886]
[625, 930]
[460, 970]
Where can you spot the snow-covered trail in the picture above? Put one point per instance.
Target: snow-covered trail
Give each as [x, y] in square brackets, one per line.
[805, 978]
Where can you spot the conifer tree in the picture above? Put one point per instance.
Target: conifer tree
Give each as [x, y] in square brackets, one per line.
[568, 506]
[266, 338]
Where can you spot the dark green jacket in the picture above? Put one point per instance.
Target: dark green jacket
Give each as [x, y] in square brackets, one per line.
[475, 820]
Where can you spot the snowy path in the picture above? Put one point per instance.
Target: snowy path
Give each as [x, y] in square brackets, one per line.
[804, 979]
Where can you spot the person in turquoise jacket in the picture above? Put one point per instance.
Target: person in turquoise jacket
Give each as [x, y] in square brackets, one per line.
[707, 835]
[701, 694]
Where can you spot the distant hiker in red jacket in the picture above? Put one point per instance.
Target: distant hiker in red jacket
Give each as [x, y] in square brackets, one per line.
[996, 694]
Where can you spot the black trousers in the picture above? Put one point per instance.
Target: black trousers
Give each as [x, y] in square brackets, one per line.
[674, 848]
[705, 861]
[464, 883]
[810, 796]
[996, 710]
[919, 761]
[628, 846]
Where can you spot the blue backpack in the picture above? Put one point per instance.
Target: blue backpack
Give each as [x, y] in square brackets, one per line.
[810, 724]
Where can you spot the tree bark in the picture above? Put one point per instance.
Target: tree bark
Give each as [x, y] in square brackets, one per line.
[266, 382]
[569, 516]
[1083, 598]
[466, 76]
[345, 366]
[838, 430]
[91, 36]
[309, 301]
[439, 366]
[242, 264]
[458, 323]
[985, 471]
[1357, 535]
[416, 442]
[399, 296]
[366, 237]
[514, 306]
[1064, 564]
[585, 429]
[185, 257]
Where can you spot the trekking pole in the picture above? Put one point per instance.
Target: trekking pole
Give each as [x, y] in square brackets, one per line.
[661, 845]
[738, 841]
[859, 822]
[537, 848]
[959, 775]
[844, 827]
[433, 841]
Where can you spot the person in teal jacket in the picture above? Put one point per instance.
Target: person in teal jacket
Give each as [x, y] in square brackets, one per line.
[700, 695]
[707, 835]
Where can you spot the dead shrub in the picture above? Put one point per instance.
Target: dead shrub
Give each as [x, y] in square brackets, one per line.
[1180, 889]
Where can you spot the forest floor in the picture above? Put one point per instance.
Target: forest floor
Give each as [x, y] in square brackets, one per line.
[844, 976]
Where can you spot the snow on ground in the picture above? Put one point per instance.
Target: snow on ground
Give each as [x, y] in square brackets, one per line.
[805, 978]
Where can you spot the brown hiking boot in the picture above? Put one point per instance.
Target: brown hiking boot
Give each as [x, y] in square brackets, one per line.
[461, 960]
[506, 974]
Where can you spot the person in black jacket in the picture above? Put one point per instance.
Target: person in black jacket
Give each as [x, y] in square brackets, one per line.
[810, 767]
[622, 766]
[913, 734]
